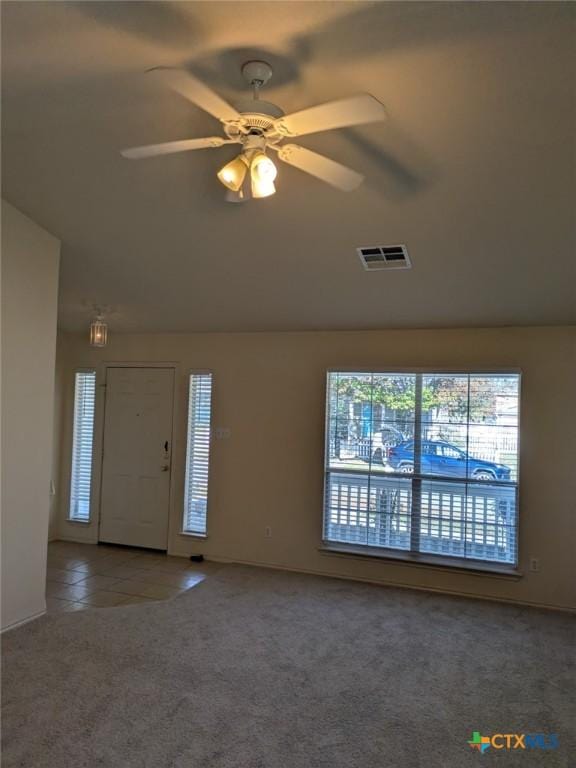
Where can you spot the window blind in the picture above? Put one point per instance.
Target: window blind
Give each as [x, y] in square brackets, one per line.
[423, 462]
[197, 453]
[82, 442]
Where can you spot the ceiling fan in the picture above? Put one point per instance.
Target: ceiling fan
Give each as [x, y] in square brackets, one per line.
[259, 126]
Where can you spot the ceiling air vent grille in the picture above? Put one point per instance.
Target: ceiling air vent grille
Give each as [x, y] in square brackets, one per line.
[384, 257]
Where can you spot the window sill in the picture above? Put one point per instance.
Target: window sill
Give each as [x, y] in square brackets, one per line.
[192, 535]
[78, 522]
[472, 567]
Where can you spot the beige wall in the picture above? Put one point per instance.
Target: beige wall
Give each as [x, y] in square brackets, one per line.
[30, 258]
[269, 390]
[59, 406]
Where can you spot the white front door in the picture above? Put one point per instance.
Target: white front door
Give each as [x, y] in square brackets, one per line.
[137, 449]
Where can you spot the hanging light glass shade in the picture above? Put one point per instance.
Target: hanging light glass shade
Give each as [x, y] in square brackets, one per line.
[98, 333]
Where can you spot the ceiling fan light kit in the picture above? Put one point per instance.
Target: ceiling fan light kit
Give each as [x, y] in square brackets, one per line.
[262, 170]
[258, 126]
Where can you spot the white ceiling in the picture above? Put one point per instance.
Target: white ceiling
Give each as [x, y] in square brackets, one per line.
[474, 170]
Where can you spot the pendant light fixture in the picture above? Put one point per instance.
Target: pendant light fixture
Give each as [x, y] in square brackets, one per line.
[98, 332]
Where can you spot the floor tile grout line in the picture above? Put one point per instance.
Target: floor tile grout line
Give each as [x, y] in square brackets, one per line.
[173, 578]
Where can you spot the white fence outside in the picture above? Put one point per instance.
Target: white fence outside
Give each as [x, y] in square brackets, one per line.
[463, 519]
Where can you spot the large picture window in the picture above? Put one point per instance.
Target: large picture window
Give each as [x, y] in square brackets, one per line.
[425, 463]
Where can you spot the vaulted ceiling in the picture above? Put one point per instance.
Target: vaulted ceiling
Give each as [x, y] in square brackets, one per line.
[474, 170]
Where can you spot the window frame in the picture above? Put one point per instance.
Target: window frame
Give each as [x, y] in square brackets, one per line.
[90, 518]
[182, 531]
[434, 560]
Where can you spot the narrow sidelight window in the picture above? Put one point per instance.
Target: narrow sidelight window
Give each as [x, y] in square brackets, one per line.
[425, 463]
[197, 453]
[83, 438]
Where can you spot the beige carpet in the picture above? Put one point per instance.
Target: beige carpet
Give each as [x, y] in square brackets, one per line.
[263, 669]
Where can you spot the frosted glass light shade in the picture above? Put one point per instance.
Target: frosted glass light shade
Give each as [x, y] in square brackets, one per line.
[232, 175]
[262, 172]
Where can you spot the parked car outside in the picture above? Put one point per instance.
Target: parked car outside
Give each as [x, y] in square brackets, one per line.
[439, 458]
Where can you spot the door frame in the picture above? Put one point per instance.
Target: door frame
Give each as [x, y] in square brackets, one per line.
[100, 427]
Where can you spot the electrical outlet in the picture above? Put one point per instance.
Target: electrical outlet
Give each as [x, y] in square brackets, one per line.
[535, 564]
[268, 532]
[222, 433]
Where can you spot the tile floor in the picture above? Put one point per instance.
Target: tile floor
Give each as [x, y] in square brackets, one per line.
[101, 575]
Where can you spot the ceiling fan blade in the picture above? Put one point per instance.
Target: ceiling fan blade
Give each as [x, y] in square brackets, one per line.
[195, 91]
[170, 147]
[355, 110]
[330, 171]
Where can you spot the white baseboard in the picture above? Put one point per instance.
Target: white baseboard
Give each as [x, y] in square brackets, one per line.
[74, 540]
[382, 583]
[21, 623]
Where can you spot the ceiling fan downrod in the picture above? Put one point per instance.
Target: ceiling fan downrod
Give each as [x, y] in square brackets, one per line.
[257, 74]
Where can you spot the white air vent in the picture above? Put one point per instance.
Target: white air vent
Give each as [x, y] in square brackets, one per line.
[384, 257]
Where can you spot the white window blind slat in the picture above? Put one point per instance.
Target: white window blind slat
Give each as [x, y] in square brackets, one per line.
[197, 453]
[82, 443]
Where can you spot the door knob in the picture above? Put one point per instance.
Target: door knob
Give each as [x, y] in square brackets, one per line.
[165, 468]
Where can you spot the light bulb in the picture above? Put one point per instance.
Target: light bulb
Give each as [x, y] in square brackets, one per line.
[262, 172]
[232, 175]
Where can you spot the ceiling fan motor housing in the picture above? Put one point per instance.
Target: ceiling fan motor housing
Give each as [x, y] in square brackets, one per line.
[257, 115]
